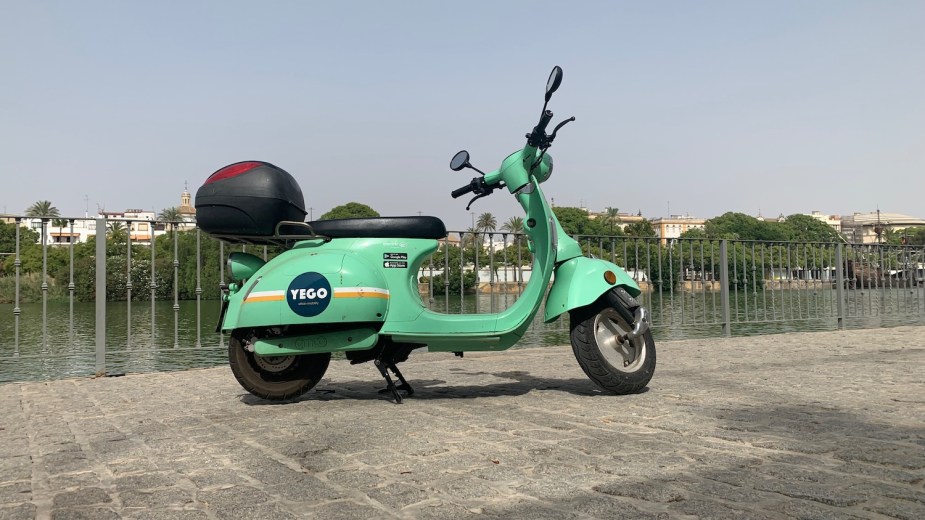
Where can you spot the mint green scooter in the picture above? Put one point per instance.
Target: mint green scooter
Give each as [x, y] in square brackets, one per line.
[350, 286]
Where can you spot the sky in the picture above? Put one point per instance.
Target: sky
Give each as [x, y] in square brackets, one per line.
[690, 108]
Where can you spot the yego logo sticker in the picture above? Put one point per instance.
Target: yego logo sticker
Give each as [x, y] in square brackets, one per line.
[309, 294]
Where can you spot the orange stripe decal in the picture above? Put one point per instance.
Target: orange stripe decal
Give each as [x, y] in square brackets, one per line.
[361, 292]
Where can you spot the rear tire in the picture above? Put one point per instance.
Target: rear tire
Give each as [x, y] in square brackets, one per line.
[618, 368]
[275, 378]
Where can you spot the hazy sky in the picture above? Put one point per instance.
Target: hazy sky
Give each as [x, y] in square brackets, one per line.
[782, 106]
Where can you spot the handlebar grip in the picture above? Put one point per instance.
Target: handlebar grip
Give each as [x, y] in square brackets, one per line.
[462, 191]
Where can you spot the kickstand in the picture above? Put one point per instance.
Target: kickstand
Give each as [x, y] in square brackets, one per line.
[390, 385]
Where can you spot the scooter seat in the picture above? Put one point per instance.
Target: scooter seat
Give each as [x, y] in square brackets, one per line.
[382, 227]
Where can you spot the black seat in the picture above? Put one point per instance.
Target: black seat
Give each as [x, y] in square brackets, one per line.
[381, 227]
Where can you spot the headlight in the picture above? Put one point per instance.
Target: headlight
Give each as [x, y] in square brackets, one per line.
[544, 171]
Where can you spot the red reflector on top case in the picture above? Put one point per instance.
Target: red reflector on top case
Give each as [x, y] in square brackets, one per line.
[233, 170]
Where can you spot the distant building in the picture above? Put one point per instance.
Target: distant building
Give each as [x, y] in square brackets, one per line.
[672, 227]
[622, 220]
[140, 225]
[833, 221]
[187, 211]
[869, 228]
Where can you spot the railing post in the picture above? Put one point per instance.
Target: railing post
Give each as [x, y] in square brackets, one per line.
[101, 296]
[44, 283]
[840, 285]
[724, 285]
[16, 310]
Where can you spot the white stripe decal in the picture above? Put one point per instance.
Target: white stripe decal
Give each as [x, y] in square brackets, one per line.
[263, 294]
[374, 290]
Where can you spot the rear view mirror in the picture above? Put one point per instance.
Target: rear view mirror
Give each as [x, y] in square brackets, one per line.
[459, 161]
[555, 79]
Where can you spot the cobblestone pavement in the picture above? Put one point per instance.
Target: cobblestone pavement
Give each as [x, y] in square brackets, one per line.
[809, 425]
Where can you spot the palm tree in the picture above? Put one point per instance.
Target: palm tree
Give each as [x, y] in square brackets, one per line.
[612, 217]
[513, 225]
[116, 231]
[470, 237]
[42, 209]
[486, 222]
[516, 225]
[60, 223]
[171, 215]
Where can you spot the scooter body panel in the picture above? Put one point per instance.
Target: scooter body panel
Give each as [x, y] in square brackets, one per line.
[311, 285]
[580, 281]
[361, 338]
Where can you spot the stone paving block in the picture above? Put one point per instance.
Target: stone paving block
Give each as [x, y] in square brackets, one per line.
[399, 494]
[345, 510]
[807, 510]
[157, 498]
[24, 511]
[232, 496]
[15, 468]
[207, 479]
[901, 509]
[525, 509]
[73, 480]
[15, 492]
[86, 513]
[439, 510]
[168, 514]
[81, 497]
[268, 511]
[304, 488]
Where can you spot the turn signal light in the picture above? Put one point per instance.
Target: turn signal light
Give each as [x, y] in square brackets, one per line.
[610, 277]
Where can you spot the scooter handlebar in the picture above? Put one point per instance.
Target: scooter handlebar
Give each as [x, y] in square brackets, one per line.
[469, 188]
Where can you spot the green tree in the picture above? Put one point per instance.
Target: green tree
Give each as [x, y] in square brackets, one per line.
[575, 221]
[27, 241]
[42, 208]
[805, 228]
[694, 233]
[739, 226]
[643, 228]
[350, 210]
[914, 236]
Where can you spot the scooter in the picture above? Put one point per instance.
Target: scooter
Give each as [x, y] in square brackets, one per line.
[350, 286]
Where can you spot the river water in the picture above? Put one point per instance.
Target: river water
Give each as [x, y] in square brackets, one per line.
[66, 348]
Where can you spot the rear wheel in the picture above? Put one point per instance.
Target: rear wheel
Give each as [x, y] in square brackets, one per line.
[275, 378]
[621, 367]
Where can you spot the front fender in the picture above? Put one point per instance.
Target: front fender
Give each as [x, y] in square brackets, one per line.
[580, 281]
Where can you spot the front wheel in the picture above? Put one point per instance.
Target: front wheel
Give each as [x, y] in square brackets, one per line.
[619, 367]
[275, 378]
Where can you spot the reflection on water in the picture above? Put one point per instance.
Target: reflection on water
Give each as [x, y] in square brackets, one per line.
[69, 351]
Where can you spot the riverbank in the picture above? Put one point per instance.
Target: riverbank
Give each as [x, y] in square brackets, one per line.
[822, 425]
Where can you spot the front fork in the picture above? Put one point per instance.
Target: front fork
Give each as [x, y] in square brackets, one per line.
[632, 311]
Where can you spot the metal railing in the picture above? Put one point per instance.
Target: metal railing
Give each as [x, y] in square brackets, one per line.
[155, 306]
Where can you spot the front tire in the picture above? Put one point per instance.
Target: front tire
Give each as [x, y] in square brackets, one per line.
[275, 378]
[620, 368]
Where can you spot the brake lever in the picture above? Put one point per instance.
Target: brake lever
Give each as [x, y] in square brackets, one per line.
[477, 197]
[487, 190]
[560, 125]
